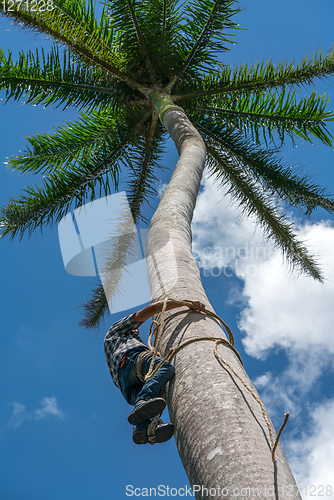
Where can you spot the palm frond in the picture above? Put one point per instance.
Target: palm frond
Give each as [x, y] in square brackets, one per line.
[84, 11]
[51, 202]
[264, 115]
[205, 26]
[147, 160]
[141, 41]
[124, 19]
[54, 79]
[95, 309]
[260, 77]
[254, 202]
[63, 189]
[63, 25]
[266, 168]
[76, 142]
[116, 254]
[148, 33]
[160, 24]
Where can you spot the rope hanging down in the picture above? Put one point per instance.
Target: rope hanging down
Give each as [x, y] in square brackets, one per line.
[156, 330]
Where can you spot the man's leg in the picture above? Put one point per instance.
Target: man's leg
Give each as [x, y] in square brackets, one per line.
[148, 427]
[148, 404]
[152, 430]
[152, 387]
[129, 382]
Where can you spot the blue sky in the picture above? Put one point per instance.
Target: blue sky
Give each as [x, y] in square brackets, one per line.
[63, 425]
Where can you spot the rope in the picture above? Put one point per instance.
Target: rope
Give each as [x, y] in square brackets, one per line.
[156, 330]
[151, 437]
[158, 325]
[273, 451]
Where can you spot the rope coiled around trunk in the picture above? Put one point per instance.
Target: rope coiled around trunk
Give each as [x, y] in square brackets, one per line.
[156, 330]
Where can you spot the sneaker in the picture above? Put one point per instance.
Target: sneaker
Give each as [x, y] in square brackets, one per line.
[144, 409]
[157, 433]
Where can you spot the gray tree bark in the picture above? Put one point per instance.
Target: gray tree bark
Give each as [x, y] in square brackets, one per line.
[220, 432]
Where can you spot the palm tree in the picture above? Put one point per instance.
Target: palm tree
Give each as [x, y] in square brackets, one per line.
[129, 72]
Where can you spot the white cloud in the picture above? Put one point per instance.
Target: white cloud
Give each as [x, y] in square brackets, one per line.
[221, 235]
[19, 415]
[291, 389]
[282, 310]
[312, 456]
[161, 188]
[287, 311]
[49, 407]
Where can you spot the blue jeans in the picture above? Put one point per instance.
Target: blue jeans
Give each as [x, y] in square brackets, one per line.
[132, 388]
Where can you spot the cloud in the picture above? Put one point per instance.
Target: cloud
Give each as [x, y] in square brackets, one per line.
[312, 455]
[221, 235]
[291, 312]
[19, 415]
[161, 188]
[49, 407]
[282, 310]
[291, 389]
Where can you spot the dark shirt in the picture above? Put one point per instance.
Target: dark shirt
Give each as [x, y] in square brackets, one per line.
[119, 340]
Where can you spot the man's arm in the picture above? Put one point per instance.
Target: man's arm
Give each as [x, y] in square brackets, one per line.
[155, 308]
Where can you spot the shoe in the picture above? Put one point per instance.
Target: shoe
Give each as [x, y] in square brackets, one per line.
[152, 431]
[144, 409]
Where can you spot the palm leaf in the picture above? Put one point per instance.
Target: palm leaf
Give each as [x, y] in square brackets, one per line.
[205, 25]
[148, 33]
[76, 142]
[265, 167]
[260, 77]
[94, 176]
[95, 309]
[139, 190]
[262, 115]
[130, 38]
[63, 25]
[54, 79]
[253, 201]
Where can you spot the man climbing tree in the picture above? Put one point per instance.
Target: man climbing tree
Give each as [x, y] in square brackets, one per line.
[129, 361]
[146, 70]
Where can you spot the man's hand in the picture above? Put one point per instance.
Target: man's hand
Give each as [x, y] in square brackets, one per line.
[196, 304]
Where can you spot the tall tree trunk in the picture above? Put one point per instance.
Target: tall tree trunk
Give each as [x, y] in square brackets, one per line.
[220, 432]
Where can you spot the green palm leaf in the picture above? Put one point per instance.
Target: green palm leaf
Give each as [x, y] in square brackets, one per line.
[260, 77]
[130, 40]
[63, 25]
[205, 25]
[54, 79]
[264, 166]
[76, 142]
[253, 201]
[68, 188]
[58, 194]
[264, 115]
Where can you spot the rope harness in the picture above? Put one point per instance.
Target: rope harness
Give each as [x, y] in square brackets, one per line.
[156, 330]
[151, 429]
